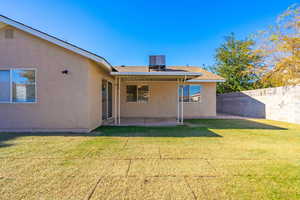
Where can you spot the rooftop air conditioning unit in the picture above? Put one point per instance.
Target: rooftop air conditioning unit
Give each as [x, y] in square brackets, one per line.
[157, 62]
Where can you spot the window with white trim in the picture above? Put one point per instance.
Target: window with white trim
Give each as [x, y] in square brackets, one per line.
[17, 86]
[137, 93]
[191, 93]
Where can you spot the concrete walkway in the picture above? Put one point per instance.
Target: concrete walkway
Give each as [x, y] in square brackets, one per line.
[222, 116]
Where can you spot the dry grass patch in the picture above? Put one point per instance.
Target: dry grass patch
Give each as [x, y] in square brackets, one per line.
[157, 167]
[65, 186]
[142, 188]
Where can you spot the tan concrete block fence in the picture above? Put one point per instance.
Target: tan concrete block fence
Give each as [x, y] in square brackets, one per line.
[280, 103]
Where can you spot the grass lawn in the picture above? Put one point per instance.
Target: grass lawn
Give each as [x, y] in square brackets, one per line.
[206, 159]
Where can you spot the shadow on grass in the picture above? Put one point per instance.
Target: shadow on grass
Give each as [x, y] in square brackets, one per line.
[125, 131]
[5, 137]
[194, 128]
[138, 131]
[232, 124]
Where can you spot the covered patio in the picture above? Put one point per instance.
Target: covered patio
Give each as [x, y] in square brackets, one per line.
[176, 78]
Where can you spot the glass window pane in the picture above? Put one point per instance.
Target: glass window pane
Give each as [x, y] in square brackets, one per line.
[195, 93]
[185, 90]
[131, 91]
[191, 93]
[179, 92]
[4, 86]
[186, 93]
[143, 92]
[23, 85]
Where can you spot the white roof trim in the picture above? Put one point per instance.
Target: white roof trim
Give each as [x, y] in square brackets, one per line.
[201, 81]
[156, 73]
[56, 41]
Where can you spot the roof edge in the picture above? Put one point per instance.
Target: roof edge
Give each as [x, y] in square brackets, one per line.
[56, 41]
[207, 80]
[156, 73]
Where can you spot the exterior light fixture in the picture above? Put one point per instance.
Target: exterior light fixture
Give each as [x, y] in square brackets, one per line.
[65, 71]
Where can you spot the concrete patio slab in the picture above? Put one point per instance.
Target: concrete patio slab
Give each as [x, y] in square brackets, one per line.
[145, 122]
[140, 121]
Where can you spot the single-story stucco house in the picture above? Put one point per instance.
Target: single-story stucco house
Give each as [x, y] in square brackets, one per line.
[47, 84]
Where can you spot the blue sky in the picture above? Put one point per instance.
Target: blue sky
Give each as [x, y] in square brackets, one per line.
[126, 32]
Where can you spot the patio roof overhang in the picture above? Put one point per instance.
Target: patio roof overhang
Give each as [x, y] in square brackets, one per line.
[156, 76]
[179, 77]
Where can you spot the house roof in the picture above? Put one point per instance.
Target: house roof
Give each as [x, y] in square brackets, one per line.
[205, 76]
[55, 40]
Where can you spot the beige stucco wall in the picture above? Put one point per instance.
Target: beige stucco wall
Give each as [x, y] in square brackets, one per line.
[163, 101]
[207, 106]
[95, 77]
[64, 102]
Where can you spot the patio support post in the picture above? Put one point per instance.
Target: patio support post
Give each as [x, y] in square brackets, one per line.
[115, 105]
[178, 105]
[119, 110]
[182, 102]
[107, 99]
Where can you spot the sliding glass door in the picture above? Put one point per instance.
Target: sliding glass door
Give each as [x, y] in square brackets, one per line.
[109, 100]
[106, 99]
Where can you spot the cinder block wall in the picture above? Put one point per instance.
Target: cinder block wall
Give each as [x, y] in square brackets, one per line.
[281, 103]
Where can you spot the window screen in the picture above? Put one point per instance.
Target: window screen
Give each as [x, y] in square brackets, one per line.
[137, 93]
[143, 93]
[131, 93]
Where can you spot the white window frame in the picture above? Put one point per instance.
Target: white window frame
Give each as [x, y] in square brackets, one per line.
[137, 93]
[10, 69]
[192, 102]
